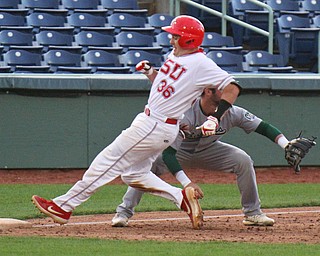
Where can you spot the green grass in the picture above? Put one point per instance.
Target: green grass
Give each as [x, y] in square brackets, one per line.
[17, 198]
[67, 246]
[15, 202]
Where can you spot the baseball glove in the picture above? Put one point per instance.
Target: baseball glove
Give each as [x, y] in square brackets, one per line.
[296, 150]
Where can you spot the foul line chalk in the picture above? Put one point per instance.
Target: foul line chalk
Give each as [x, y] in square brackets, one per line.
[168, 219]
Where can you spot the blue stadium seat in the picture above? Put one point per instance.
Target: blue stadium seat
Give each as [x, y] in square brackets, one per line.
[311, 6]
[100, 58]
[10, 37]
[10, 4]
[281, 7]
[21, 57]
[5, 69]
[112, 70]
[133, 57]
[47, 37]
[71, 70]
[227, 61]
[159, 20]
[93, 38]
[47, 4]
[47, 18]
[215, 41]
[32, 69]
[112, 4]
[80, 4]
[253, 14]
[13, 17]
[127, 39]
[163, 40]
[87, 19]
[210, 21]
[297, 40]
[119, 20]
[55, 58]
[264, 61]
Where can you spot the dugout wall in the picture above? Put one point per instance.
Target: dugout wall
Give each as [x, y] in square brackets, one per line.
[63, 121]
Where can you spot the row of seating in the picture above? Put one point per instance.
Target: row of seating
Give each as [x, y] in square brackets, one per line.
[85, 38]
[69, 4]
[82, 18]
[102, 60]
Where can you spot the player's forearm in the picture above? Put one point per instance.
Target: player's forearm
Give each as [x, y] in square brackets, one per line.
[273, 133]
[169, 158]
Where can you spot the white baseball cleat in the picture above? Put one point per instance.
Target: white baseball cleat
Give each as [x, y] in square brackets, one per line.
[258, 220]
[119, 220]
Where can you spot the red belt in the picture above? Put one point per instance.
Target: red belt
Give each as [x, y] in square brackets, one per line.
[167, 121]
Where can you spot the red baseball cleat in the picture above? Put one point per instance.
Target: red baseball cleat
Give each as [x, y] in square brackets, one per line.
[52, 210]
[192, 207]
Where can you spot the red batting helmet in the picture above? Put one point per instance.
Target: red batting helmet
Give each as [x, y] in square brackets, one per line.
[189, 28]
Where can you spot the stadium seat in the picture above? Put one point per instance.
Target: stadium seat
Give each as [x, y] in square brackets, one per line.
[87, 19]
[5, 69]
[127, 39]
[32, 69]
[80, 4]
[115, 4]
[72, 70]
[13, 17]
[311, 6]
[46, 18]
[21, 57]
[10, 4]
[163, 40]
[47, 37]
[100, 58]
[112, 70]
[57, 57]
[215, 41]
[253, 14]
[281, 7]
[159, 20]
[10, 37]
[297, 40]
[135, 12]
[264, 61]
[133, 57]
[47, 4]
[227, 61]
[93, 38]
[119, 20]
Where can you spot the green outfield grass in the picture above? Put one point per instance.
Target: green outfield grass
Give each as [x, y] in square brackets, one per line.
[15, 202]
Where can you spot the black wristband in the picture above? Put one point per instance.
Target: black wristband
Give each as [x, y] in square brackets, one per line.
[222, 108]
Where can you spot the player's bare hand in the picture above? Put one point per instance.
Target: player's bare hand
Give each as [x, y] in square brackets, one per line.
[209, 127]
[198, 191]
[144, 67]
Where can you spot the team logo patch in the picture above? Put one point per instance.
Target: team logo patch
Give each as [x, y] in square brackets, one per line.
[249, 116]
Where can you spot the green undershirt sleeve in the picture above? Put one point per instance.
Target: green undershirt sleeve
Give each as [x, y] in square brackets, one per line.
[169, 158]
[268, 130]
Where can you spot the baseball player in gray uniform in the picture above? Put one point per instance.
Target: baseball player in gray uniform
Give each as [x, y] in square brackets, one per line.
[179, 81]
[192, 149]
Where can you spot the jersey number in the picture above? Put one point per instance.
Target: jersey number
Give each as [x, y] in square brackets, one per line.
[175, 71]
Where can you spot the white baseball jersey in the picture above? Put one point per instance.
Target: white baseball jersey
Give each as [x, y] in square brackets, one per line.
[181, 80]
[196, 142]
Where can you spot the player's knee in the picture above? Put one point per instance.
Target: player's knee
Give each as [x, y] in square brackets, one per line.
[242, 160]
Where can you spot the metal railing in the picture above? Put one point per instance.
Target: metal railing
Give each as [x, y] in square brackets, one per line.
[175, 10]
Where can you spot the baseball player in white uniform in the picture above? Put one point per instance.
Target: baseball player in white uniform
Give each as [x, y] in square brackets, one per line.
[176, 85]
[192, 149]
